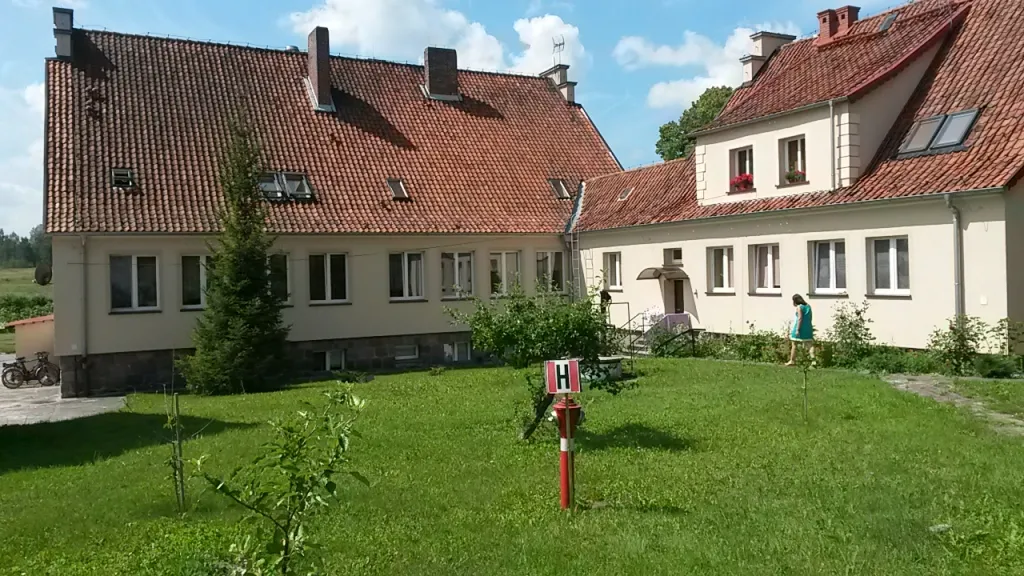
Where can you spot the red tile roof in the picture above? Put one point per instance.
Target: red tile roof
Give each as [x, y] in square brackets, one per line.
[978, 66]
[27, 321]
[803, 73]
[161, 107]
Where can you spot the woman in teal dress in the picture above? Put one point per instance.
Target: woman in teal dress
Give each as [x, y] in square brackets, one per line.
[802, 330]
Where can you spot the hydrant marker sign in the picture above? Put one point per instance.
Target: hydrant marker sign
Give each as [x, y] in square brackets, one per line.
[562, 376]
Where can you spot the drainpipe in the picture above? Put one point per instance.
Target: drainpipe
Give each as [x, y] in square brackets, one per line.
[832, 140]
[83, 385]
[958, 259]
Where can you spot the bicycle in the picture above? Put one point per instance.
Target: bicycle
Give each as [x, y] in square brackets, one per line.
[16, 373]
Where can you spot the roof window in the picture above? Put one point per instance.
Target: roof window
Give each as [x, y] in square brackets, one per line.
[887, 23]
[625, 193]
[942, 133]
[122, 178]
[397, 187]
[271, 186]
[297, 186]
[282, 185]
[558, 186]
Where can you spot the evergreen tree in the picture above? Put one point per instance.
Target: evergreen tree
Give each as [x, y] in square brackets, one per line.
[240, 338]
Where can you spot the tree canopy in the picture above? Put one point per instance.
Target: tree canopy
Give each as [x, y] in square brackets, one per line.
[24, 251]
[675, 139]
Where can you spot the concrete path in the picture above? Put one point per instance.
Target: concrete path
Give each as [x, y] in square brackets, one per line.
[33, 404]
[940, 388]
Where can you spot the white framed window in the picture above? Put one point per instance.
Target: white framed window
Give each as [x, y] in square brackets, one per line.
[721, 268]
[328, 278]
[794, 160]
[504, 272]
[134, 283]
[458, 352]
[890, 265]
[407, 352]
[551, 271]
[613, 270]
[742, 161]
[329, 360]
[456, 274]
[280, 277]
[829, 267]
[673, 256]
[193, 281]
[767, 277]
[406, 275]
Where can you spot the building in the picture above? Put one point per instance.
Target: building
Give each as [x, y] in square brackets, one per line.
[880, 160]
[393, 190]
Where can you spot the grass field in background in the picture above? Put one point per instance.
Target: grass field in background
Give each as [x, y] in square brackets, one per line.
[20, 281]
[704, 468]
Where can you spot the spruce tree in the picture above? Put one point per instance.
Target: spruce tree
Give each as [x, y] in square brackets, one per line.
[240, 339]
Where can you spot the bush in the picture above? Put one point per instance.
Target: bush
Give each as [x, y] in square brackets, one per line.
[350, 376]
[761, 346]
[956, 346]
[885, 360]
[850, 335]
[994, 366]
[18, 307]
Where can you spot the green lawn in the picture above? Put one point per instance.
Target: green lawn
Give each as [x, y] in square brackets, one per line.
[1005, 396]
[20, 281]
[705, 468]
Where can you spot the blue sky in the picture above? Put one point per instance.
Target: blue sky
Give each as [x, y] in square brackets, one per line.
[638, 62]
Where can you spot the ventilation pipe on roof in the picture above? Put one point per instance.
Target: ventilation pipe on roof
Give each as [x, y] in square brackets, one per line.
[958, 259]
[319, 79]
[63, 24]
[441, 74]
[559, 76]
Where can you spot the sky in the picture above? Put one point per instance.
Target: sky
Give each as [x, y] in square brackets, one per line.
[639, 63]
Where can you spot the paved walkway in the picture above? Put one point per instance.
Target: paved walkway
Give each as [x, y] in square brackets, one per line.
[33, 404]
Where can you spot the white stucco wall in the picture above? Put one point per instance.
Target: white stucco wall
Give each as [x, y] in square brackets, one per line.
[369, 314]
[902, 321]
[32, 338]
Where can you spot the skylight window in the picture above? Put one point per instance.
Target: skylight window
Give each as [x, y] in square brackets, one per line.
[558, 186]
[398, 191]
[954, 129]
[271, 187]
[887, 23]
[625, 193]
[298, 186]
[939, 133]
[921, 135]
[122, 178]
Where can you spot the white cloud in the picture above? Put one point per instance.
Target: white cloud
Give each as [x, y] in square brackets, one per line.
[718, 63]
[21, 158]
[401, 29]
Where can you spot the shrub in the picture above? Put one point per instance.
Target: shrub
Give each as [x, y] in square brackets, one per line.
[956, 346]
[761, 346]
[350, 376]
[18, 307]
[922, 363]
[437, 370]
[885, 360]
[995, 366]
[1007, 336]
[850, 335]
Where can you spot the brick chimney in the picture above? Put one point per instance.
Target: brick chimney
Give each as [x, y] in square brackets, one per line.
[63, 24]
[319, 79]
[559, 76]
[441, 74]
[828, 26]
[765, 43]
[848, 16]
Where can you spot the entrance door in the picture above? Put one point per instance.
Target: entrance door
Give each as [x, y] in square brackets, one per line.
[680, 293]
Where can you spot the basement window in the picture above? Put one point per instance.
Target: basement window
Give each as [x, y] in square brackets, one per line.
[122, 178]
[625, 194]
[558, 186]
[298, 186]
[271, 187]
[397, 187]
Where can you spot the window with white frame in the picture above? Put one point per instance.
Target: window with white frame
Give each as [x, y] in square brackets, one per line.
[406, 275]
[134, 282]
[613, 270]
[794, 160]
[193, 281]
[458, 352]
[456, 274]
[766, 269]
[551, 271]
[890, 265]
[328, 278]
[673, 256]
[504, 272]
[721, 269]
[407, 352]
[829, 261]
[742, 161]
[280, 277]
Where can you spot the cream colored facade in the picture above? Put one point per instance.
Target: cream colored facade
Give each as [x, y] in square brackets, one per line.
[904, 320]
[33, 337]
[85, 322]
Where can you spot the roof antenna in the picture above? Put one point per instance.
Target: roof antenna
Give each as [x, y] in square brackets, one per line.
[558, 45]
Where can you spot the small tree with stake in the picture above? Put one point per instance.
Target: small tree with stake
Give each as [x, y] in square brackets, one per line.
[240, 339]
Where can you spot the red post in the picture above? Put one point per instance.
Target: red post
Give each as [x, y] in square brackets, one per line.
[568, 414]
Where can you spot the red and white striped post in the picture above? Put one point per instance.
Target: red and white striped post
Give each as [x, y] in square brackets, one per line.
[563, 377]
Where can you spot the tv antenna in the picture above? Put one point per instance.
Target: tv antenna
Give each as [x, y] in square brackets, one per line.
[558, 46]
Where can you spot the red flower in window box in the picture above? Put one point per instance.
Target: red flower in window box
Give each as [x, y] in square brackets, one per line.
[795, 176]
[742, 182]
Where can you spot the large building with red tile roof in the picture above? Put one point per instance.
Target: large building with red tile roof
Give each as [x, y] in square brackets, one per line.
[879, 160]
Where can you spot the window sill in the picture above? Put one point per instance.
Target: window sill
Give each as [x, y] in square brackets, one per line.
[330, 303]
[792, 184]
[127, 311]
[889, 296]
[766, 293]
[615, 289]
[405, 300]
[721, 293]
[828, 295]
[732, 192]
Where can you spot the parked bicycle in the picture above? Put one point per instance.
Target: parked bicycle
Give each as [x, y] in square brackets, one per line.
[17, 373]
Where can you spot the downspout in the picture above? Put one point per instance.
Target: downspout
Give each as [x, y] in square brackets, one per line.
[958, 259]
[832, 140]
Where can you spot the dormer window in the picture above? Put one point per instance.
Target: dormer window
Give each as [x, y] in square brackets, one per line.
[271, 187]
[397, 187]
[297, 186]
[625, 194]
[559, 188]
[122, 178]
[945, 133]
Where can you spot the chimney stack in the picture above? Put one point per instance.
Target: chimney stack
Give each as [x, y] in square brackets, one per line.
[848, 16]
[828, 26]
[319, 79]
[63, 24]
[559, 76]
[765, 43]
[441, 74]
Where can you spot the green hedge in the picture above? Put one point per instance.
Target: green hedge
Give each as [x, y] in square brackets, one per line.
[17, 307]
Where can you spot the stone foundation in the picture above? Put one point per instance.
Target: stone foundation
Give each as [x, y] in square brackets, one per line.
[154, 370]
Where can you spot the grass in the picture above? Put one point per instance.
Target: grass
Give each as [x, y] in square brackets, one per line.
[1005, 396]
[20, 281]
[705, 468]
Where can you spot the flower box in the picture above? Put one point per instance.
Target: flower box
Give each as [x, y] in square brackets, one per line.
[796, 177]
[742, 183]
